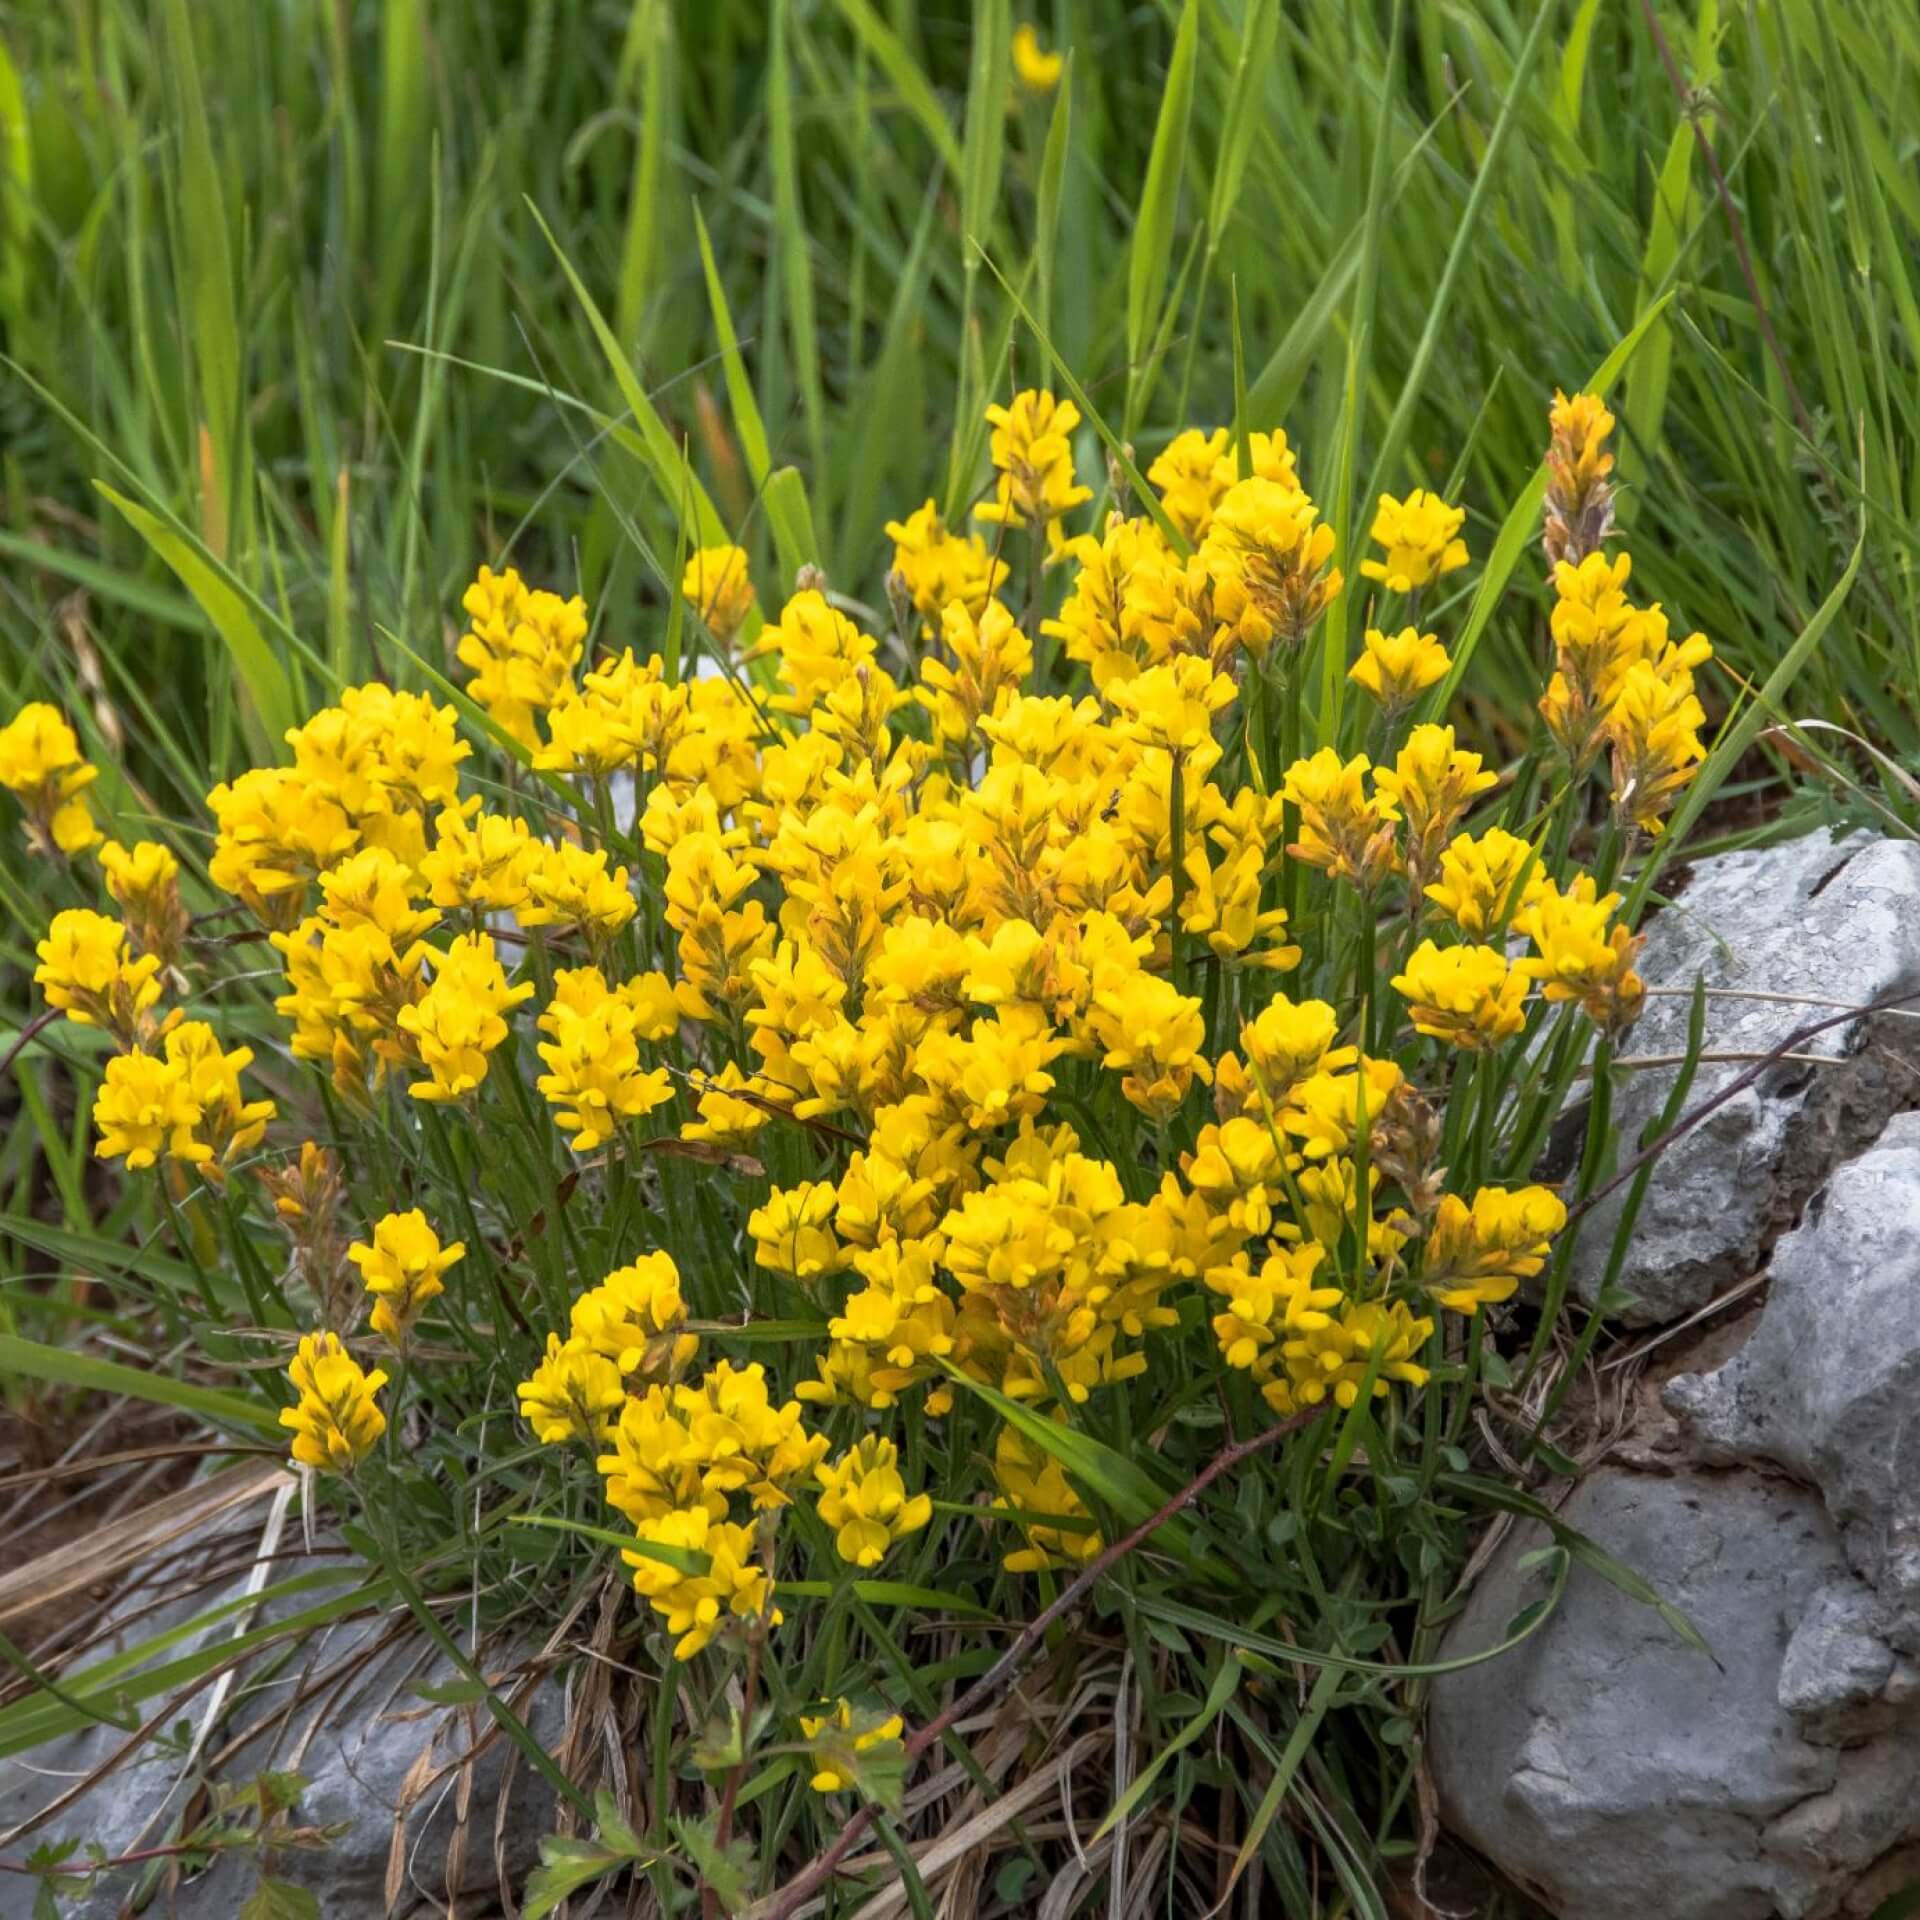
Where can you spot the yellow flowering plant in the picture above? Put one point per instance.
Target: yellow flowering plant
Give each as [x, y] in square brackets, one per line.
[836, 1120]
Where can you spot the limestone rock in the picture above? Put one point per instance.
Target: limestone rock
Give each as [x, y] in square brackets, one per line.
[1827, 1387]
[340, 1707]
[1812, 920]
[1610, 1768]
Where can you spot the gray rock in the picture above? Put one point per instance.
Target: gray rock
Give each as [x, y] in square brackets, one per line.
[1828, 1385]
[1810, 920]
[339, 1707]
[1609, 1768]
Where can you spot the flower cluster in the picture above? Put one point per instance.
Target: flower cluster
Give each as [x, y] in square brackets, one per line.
[1032, 990]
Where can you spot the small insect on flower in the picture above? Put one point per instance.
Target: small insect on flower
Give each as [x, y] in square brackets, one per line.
[402, 1269]
[864, 1499]
[337, 1420]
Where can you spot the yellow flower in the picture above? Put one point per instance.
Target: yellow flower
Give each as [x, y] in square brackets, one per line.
[86, 971]
[1334, 1361]
[637, 1318]
[144, 882]
[1343, 831]
[1419, 534]
[1172, 707]
[1654, 727]
[1396, 668]
[694, 1605]
[1270, 561]
[1032, 448]
[1431, 783]
[1481, 1253]
[1153, 1034]
[1467, 996]
[337, 1420]
[816, 647]
[571, 886]
[1038, 70]
[1579, 511]
[864, 1500]
[1032, 1482]
[595, 1075]
[460, 1018]
[992, 658]
[793, 1234]
[1485, 880]
[478, 861]
[573, 1394]
[402, 1269]
[228, 1123]
[144, 1108]
[719, 587]
[1288, 1042]
[40, 760]
[841, 1736]
[521, 648]
[275, 832]
[1579, 956]
[938, 568]
[1265, 1309]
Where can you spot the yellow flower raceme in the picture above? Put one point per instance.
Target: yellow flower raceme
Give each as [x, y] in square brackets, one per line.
[460, 1018]
[595, 1075]
[575, 1393]
[1396, 668]
[521, 648]
[1420, 538]
[696, 1605]
[87, 972]
[185, 1102]
[144, 882]
[1032, 448]
[1479, 1254]
[570, 886]
[938, 568]
[1653, 728]
[864, 1500]
[1580, 956]
[1485, 880]
[1270, 560]
[637, 1318]
[1033, 1483]
[1344, 831]
[1431, 783]
[402, 1268]
[719, 587]
[41, 761]
[1467, 996]
[1579, 514]
[337, 1420]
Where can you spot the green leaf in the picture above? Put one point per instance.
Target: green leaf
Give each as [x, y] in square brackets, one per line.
[681, 1559]
[889, 1593]
[28, 1360]
[898, 64]
[450, 1693]
[270, 709]
[280, 1900]
[1151, 258]
[727, 1871]
[1225, 1682]
[1242, 120]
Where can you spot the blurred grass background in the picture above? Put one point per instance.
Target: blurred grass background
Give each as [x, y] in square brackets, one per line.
[277, 274]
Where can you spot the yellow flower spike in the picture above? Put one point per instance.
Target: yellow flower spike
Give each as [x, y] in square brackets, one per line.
[1343, 831]
[87, 973]
[1579, 955]
[637, 1318]
[793, 1234]
[402, 1268]
[521, 648]
[144, 882]
[1032, 1481]
[144, 1108]
[1037, 70]
[1396, 668]
[1420, 536]
[229, 1124]
[595, 1076]
[1478, 1255]
[939, 569]
[864, 1500]
[478, 861]
[719, 587]
[337, 1420]
[460, 1019]
[1290, 1041]
[696, 1605]
[1485, 880]
[992, 658]
[1579, 507]
[1333, 1362]
[570, 886]
[1172, 707]
[1032, 450]
[41, 761]
[1653, 728]
[815, 647]
[575, 1393]
[1467, 996]
[1270, 561]
[1430, 784]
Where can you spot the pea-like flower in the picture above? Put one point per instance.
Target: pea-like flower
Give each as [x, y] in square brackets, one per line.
[41, 761]
[864, 1499]
[460, 1018]
[719, 588]
[1396, 668]
[1032, 449]
[337, 1419]
[1479, 1254]
[847, 1740]
[575, 1393]
[403, 1269]
[1468, 996]
[1420, 537]
[88, 973]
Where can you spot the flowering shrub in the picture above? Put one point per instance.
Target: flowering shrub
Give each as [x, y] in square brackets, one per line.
[1052, 1012]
